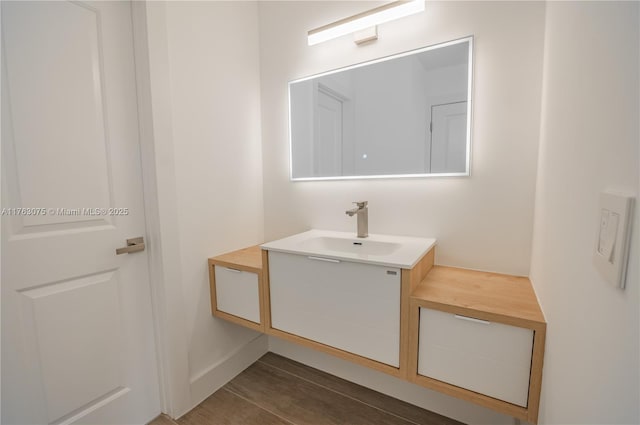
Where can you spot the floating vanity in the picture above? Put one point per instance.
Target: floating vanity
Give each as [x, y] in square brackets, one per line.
[345, 295]
[380, 302]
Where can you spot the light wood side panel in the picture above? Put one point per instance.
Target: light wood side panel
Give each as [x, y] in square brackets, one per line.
[409, 281]
[363, 361]
[414, 330]
[266, 293]
[239, 321]
[405, 291]
[422, 268]
[212, 286]
[535, 384]
[473, 397]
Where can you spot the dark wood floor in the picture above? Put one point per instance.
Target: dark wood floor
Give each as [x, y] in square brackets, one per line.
[278, 391]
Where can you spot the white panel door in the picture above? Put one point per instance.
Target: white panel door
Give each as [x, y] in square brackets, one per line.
[77, 333]
[327, 146]
[449, 138]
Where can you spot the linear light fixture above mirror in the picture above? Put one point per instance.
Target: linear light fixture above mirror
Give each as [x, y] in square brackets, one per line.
[370, 18]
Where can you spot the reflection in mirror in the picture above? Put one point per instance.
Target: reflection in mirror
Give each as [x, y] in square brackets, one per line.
[404, 115]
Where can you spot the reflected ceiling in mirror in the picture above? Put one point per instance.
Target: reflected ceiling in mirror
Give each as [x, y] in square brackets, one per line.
[406, 115]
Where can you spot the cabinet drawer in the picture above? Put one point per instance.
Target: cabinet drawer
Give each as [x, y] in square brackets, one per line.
[238, 293]
[354, 307]
[486, 357]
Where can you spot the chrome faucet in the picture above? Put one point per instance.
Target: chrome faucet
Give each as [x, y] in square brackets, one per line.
[363, 218]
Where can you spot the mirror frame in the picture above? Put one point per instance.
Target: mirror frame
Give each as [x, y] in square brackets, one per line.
[466, 173]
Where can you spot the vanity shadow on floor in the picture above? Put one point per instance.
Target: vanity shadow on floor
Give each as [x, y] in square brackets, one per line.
[275, 390]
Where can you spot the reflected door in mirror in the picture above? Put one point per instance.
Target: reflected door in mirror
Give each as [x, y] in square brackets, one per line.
[327, 143]
[448, 138]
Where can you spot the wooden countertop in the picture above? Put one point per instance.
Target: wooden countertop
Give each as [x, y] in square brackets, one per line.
[248, 259]
[489, 296]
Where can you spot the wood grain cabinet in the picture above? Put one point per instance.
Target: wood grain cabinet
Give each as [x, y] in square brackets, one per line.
[236, 287]
[479, 337]
[473, 335]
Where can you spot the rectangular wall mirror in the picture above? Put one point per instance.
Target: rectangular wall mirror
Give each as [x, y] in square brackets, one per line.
[406, 115]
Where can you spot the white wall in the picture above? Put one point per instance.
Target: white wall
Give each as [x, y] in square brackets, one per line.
[214, 100]
[482, 222]
[589, 143]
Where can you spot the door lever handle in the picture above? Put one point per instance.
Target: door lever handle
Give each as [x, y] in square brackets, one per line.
[133, 245]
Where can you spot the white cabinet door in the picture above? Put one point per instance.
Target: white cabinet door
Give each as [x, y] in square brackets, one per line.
[238, 293]
[77, 332]
[351, 306]
[486, 357]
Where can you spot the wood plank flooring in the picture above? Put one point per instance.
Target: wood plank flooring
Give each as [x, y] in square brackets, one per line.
[278, 391]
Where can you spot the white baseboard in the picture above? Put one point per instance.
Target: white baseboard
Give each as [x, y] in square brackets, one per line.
[422, 397]
[223, 371]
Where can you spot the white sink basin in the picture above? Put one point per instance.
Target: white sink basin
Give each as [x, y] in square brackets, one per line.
[363, 246]
[392, 251]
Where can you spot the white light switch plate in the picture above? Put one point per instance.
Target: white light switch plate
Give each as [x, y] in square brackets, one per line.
[613, 235]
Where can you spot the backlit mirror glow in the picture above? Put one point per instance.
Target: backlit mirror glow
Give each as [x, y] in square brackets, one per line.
[400, 116]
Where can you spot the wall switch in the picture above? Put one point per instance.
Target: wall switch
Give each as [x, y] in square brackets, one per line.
[613, 237]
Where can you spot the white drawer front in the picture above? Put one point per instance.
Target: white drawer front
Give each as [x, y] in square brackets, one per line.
[351, 306]
[238, 293]
[485, 357]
